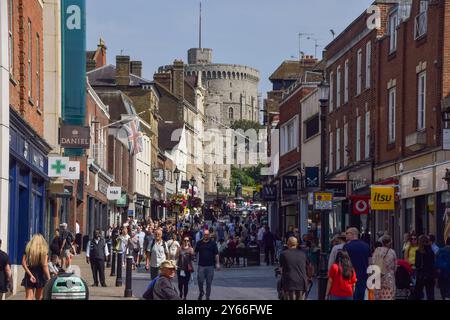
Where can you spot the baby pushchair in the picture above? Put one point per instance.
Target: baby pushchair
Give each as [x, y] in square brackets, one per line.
[280, 287]
[404, 280]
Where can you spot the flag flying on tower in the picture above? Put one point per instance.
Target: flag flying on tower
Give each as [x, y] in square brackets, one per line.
[133, 129]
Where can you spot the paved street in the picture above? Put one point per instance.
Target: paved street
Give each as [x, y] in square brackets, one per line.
[238, 283]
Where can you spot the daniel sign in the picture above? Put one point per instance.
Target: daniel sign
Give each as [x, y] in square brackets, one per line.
[114, 193]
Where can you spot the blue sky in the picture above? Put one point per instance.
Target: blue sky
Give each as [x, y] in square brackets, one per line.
[257, 33]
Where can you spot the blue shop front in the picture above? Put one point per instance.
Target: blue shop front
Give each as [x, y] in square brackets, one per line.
[27, 185]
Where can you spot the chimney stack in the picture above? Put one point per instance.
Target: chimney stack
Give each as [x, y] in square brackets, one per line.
[102, 47]
[178, 78]
[164, 79]
[123, 71]
[136, 68]
[90, 65]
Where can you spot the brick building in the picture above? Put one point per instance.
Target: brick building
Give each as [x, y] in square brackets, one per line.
[388, 87]
[28, 149]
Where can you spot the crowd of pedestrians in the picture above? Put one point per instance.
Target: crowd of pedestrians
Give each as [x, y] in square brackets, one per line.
[423, 261]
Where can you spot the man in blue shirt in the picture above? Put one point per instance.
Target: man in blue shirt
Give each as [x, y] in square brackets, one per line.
[359, 252]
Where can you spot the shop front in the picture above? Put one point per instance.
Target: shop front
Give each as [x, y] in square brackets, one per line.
[27, 185]
[360, 180]
[418, 200]
[442, 204]
[290, 203]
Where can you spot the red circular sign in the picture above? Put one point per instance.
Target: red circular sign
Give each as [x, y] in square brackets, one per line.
[361, 206]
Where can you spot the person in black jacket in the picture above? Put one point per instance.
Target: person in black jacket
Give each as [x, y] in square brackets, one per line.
[55, 246]
[425, 273]
[165, 288]
[96, 254]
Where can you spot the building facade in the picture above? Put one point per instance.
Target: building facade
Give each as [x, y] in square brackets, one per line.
[28, 150]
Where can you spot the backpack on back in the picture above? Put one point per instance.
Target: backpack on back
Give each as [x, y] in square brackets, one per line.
[148, 294]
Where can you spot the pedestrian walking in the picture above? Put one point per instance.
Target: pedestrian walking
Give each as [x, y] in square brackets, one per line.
[158, 253]
[123, 244]
[339, 240]
[148, 242]
[5, 273]
[269, 242]
[411, 248]
[141, 238]
[433, 244]
[67, 239]
[186, 255]
[442, 265]
[341, 278]
[35, 264]
[425, 273]
[96, 255]
[165, 288]
[386, 259]
[173, 246]
[208, 257]
[134, 248]
[359, 252]
[294, 266]
[55, 246]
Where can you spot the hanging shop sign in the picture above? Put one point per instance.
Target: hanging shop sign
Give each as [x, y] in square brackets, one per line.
[73, 170]
[312, 177]
[323, 201]
[269, 193]
[114, 193]
[184, 184]
[75, 136]
[382, 198]
[122, 202]
[58, 167]
[360, 205]
[290, 185]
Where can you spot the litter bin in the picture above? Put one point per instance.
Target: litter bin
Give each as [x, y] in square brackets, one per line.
[66, 286]
[253, 256]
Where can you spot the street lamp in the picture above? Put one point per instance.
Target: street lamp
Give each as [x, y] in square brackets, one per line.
[176, 175]
[324, 91]
[217, 198]
[192, 181]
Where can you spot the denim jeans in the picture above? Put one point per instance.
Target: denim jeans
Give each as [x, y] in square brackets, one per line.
[205, 273]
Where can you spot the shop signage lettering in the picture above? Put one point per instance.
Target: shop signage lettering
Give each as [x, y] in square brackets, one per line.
[323, 201]
[114, 193]
[290, 185]
[75, 137]
[270, 193]
[382, 198]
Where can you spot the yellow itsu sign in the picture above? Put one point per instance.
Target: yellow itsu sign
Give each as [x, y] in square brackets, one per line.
[382, 198]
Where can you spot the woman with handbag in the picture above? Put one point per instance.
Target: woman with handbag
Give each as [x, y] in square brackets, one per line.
[386, 259]
[185, 266]
[425, 272]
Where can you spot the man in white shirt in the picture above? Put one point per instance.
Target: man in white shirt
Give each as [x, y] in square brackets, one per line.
[159, 254]
[96, 255]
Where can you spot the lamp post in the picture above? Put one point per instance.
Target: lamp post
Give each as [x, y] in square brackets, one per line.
[176, 174]
[324, 89]
[192, 181]
[217, 197]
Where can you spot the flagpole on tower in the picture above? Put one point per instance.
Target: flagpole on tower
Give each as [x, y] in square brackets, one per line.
[200, 28]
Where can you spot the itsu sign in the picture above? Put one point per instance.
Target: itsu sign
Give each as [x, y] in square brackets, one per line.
[114, 193]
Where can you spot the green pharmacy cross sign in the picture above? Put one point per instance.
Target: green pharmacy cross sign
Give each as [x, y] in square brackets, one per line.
[58, 166]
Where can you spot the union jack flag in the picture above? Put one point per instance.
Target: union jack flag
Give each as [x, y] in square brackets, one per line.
[133, 129]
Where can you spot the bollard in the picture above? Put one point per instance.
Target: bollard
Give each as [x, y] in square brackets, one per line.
[113, 263]
[323, 277]
[108, 262]
[128, 291]
[119, 269]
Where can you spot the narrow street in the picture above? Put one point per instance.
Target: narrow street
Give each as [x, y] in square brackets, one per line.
[236, 283]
